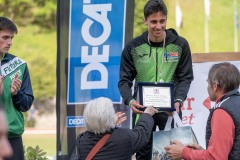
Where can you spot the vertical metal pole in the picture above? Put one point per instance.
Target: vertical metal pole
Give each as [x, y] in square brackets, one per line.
[235, 26]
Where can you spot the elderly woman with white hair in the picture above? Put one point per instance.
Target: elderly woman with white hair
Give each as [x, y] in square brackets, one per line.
[122, 143]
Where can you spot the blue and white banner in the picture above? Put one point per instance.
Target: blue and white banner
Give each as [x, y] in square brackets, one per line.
[96, 40]
[75, 121]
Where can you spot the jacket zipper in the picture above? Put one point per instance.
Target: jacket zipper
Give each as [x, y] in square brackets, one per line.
[156, 64]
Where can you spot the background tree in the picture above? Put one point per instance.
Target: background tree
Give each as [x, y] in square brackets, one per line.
[18, 10]
[25, 12]
[45, 12]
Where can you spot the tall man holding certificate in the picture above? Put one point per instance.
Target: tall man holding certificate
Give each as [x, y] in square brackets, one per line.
[158, 55]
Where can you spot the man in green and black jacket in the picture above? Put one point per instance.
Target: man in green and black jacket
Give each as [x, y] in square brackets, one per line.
[17, 95]
[158, 55]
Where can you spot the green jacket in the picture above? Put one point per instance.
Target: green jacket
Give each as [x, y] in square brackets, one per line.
[145, 61]
[22, 101]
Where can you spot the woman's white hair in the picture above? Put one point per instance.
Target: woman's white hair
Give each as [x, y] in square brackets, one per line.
[99, 115]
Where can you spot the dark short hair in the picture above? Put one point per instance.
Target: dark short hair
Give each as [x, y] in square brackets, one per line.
[226, 75]
[7, 24]
[153, 6]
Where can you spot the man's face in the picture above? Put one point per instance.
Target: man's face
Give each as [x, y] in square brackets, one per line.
[6, 37]
[5, 148]
[156, 24]
[211, 91]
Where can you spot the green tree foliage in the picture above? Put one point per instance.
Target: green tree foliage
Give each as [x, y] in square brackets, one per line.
[139, 26]
[43, 79]
[18, 10]
[45, 12]
[34, 153]
[25, 12]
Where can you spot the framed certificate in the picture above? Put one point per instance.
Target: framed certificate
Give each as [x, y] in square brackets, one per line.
[159, 95]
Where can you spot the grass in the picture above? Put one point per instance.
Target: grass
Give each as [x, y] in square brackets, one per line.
[46, 142]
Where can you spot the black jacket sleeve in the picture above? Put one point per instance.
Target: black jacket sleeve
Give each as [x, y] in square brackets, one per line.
[127, 75]
[142, 131]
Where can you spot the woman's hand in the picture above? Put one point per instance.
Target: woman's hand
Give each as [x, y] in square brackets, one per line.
[120, 117]
[150, 110]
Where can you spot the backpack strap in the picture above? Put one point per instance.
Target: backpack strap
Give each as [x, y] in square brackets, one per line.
[98, 146]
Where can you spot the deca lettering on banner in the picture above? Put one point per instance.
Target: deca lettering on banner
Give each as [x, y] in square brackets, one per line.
[96, 39]
[75, 121]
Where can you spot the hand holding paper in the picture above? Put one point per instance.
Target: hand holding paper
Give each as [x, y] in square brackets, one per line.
[174, 151]
[135, 106]
[150, 110]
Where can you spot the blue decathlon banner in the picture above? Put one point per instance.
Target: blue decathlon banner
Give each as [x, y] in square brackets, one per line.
[96, 40]
[75, 121]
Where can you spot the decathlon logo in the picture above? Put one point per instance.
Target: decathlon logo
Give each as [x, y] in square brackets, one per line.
[75, 121]
[96, 39]
[92, 55]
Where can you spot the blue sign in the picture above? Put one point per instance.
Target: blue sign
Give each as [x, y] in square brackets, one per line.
[96, 40]
[75, 121]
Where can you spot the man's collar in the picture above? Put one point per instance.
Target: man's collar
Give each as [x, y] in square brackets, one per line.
[3, 55]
